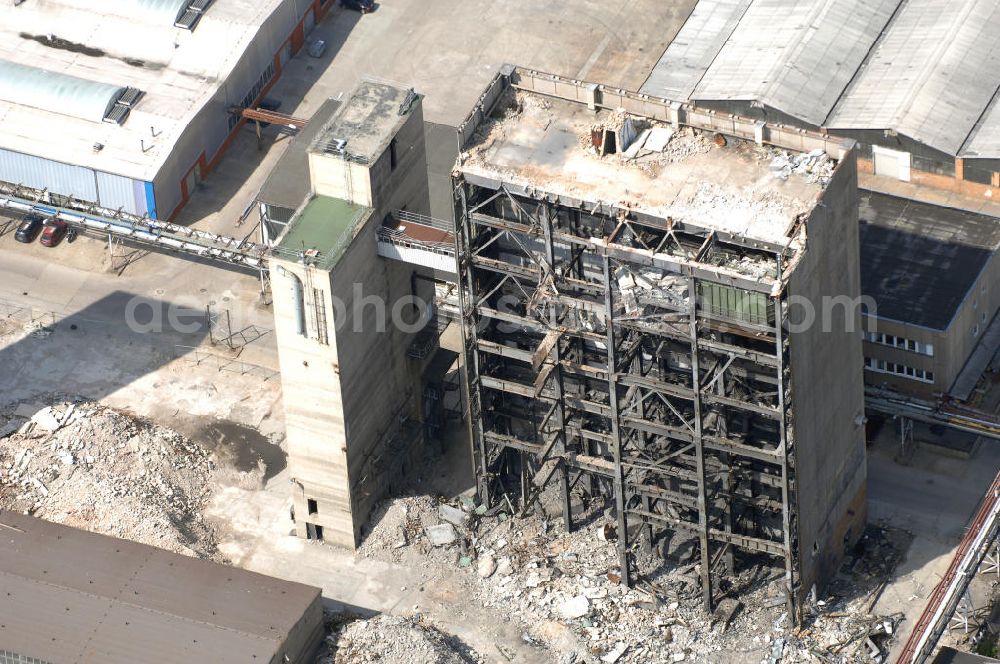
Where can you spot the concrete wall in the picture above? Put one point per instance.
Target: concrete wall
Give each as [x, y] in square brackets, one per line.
[379, 387]
[335, 177]
[940, 363]
[827, 389]
[314, 421]
[404, 186]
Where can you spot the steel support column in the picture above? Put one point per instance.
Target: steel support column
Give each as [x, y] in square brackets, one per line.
[616, 439]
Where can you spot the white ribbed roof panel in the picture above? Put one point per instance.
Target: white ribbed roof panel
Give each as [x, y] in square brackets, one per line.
[55, 92]
[931, 76]
[694, 48]
[796, 56]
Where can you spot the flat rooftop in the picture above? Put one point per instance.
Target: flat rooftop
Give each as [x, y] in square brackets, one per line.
[75, 596]
[122, 44]
[288, 184]
[547, 144]
[322, 230]
[366, 122]
[918, 260]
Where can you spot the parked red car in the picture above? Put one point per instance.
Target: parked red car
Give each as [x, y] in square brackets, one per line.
[53, 233]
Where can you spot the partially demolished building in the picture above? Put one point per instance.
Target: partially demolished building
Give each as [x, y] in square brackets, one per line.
[636, 278]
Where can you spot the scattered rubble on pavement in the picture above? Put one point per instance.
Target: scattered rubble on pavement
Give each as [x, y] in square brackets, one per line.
[82, 464]
[391, 639]
[565, 593]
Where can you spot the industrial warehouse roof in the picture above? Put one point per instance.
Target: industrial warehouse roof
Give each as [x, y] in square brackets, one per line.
[927, 69]
[131, 43]
[918, 260]
[74, 596]
[931, 75]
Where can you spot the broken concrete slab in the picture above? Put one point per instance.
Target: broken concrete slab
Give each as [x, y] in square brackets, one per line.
[575, 607]
[47, 419]
[441, 535]
[453, 515]
[658, 139]
[725, 611]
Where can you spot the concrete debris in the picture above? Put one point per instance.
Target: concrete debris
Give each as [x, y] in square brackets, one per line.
[389, 639]
[564, 590]
[441, 535]
[453, 515]
[815, 166]
[487, 566]
[37, 329]
[47, 420]
[88, 466]
[575, 607]
[615, 653]
[658, 139]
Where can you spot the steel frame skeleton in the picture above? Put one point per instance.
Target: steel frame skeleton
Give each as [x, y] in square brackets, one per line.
[676, 413]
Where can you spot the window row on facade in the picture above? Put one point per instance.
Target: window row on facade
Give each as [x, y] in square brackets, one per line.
[903, 343]
[881, 366]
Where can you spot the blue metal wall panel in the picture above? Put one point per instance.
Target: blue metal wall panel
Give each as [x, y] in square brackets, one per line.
[150, 199]
[54, 176]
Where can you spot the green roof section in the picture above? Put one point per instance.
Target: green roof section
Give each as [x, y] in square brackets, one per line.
[322, 231]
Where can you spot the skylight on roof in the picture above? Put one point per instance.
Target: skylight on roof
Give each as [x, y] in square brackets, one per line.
[192, 14]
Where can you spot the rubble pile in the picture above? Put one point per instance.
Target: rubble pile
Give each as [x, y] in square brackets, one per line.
[388, 639]
[397, 524]
[88, 466]
[814, 166]
[564, 590]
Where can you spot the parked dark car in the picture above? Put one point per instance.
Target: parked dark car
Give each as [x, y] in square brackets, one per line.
[29, 228]
[54, 232]
[363, 6]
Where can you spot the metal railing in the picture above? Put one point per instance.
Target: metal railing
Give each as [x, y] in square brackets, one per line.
[982, 533]
[401, 239]
[413, 218]
[200, 357]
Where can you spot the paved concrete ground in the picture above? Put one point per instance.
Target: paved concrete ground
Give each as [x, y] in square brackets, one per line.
[933, 496]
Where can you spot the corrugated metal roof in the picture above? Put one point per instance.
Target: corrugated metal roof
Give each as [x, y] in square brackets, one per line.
[931, 75]
[984, 143]
[795, 56]
[76, 596]
[692, 51]
[55, 92]
[927, 69]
